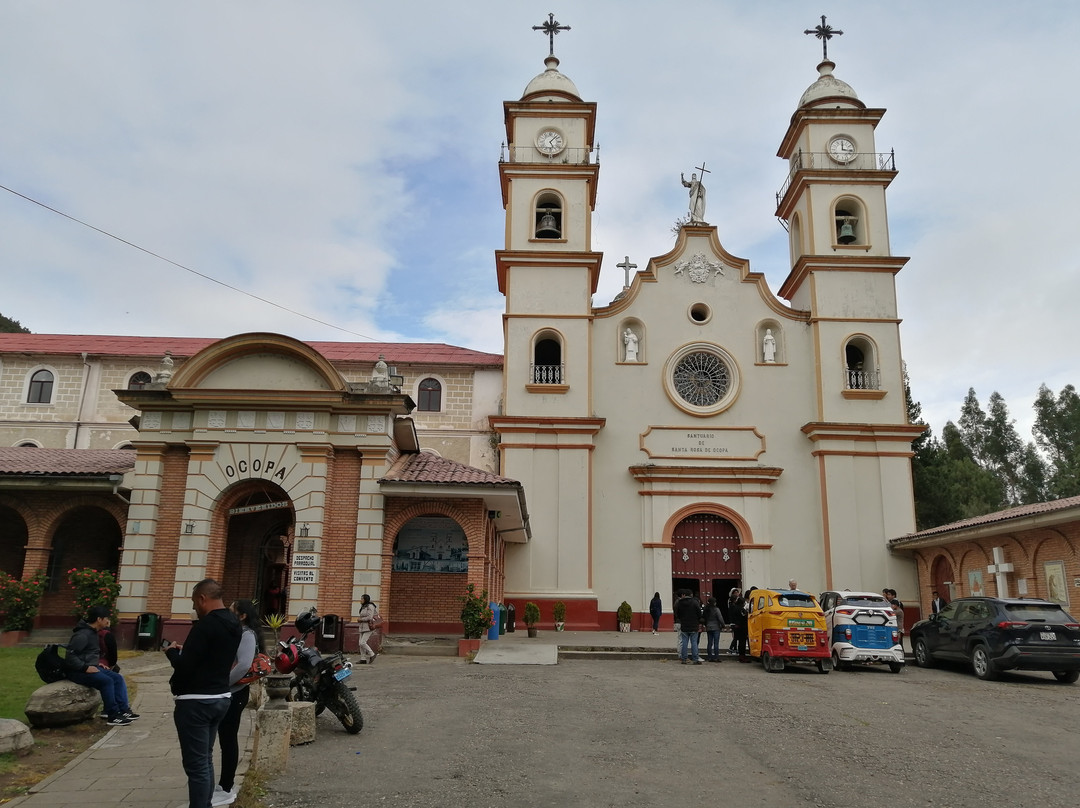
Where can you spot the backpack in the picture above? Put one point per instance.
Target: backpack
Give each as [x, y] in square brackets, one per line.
[49, 664]
[260, 667]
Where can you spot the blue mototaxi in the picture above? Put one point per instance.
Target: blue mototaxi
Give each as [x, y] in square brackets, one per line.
[862, 630]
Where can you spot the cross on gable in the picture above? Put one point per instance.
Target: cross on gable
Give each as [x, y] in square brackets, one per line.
[999, 569]
[626, 266]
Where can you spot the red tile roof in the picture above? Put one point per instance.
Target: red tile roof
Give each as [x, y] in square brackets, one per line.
[397, 353]
[22, 460]
[424, 467]
[1023, 511]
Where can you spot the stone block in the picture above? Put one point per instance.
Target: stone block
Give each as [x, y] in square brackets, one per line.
[14, 736]
[62, 703]
[272, 729]
[302, 728]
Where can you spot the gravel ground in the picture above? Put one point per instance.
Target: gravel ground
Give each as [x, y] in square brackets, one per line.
[439, 732]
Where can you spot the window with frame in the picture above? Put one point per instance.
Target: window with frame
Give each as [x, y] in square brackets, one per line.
[429, 396]
[41, 388]
[139, 380]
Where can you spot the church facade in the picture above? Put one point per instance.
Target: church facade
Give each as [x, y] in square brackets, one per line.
[699, 432]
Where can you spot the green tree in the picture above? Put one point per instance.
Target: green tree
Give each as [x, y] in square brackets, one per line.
[1057, 433]
[9, 326]
[996, 446]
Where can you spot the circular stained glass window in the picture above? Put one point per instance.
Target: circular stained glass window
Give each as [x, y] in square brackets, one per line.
[701, 379]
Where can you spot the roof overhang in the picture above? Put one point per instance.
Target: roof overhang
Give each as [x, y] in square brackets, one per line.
[505, 503]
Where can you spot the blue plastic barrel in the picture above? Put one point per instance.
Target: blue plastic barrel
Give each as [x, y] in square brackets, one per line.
[493, 631]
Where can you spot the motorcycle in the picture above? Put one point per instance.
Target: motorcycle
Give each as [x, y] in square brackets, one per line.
[317, 678]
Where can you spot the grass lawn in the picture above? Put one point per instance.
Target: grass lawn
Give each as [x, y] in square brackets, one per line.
[20, 680]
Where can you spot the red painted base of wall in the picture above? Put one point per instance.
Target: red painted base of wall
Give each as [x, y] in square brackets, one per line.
[12, 638]
[466, 647]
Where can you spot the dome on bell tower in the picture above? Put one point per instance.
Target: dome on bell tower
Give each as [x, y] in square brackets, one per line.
[829, 87]
[551, 81]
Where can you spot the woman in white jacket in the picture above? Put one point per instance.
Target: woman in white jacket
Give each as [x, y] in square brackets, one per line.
[368, 610]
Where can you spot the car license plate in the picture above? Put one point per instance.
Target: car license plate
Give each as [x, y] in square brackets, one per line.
[801, 640]
[1047, 635]
[344, 673]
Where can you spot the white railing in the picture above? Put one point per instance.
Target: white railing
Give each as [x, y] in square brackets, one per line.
[568, 156]
[821, 161]
[547, 374]
[862, 379]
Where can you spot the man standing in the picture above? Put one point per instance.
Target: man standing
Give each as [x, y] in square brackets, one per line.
[86, 664]
[937, 603]
[688, 616]
[200, 683]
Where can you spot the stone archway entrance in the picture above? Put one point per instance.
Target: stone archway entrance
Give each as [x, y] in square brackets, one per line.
[258, 527]
[705, 558]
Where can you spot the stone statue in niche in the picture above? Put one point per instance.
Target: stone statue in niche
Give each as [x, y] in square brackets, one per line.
[630, 343]
[768, 346]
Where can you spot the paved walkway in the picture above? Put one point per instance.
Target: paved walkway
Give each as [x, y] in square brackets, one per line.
[138, 766]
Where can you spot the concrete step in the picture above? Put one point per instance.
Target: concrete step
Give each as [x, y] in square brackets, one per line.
[43, 636]
[616, 653]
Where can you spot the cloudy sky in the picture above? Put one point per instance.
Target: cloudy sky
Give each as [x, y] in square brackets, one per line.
[338, 158]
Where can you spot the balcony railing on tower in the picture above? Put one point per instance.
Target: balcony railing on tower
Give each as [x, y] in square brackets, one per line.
[821, 161]
[859, 379]
[547, 374]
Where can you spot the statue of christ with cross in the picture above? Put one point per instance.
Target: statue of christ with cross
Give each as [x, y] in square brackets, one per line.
[697, 194]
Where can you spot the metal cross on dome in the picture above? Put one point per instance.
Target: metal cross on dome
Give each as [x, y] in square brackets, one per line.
[824, 32]
[552, 27]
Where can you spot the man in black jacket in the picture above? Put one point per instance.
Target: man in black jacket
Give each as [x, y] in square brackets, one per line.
[688, 616]
[200, 684]
[85, 664]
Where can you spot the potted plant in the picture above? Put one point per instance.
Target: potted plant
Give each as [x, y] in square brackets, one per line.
[558, 611]
[625, 615]
[476, 618]
[275, 622]
[532, 617]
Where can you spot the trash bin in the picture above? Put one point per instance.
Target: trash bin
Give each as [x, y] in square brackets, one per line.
[502, 620]
[510, 617]
[147, 631]
[330, 636]
[493, 631]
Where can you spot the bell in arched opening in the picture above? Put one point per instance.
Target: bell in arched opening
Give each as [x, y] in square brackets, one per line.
[847, 232]
[548, 226]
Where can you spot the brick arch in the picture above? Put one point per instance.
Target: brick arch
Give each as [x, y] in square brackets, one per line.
[396, 521]
[13, 538]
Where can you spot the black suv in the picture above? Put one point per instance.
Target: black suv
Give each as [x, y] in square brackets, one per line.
[996, 634]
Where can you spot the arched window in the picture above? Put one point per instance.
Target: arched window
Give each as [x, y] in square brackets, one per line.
[849, 222]
[41, 388]
[429, 396]
[28, 444]
[139, 380]
[548, 216]
[860, 365]
[547, 365]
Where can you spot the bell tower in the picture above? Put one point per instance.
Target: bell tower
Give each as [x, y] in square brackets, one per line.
[548, 273]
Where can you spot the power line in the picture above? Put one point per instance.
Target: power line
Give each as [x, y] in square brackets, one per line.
[185, 268]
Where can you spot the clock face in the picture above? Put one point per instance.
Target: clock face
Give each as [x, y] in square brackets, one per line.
[842, 149]
[550, 141]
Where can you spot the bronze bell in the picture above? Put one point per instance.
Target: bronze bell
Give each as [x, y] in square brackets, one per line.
[548, 227]
[847, 233]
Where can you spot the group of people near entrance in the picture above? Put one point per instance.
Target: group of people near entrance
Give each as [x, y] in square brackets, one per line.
[205, 683]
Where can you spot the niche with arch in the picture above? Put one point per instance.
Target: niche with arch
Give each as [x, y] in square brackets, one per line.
[861, 372]
[548, 221]
[769, 343]
[795, 238]
[547, 366]
[849, 220]
[630, 339]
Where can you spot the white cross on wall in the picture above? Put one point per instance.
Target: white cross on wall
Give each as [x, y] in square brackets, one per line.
[999, 569]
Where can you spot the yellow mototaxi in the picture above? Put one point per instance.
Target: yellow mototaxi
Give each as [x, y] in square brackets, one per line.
[785, 626]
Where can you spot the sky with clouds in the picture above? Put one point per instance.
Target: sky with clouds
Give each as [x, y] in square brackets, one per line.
[340, 159]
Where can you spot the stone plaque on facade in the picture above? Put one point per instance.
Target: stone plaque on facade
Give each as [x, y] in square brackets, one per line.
[181, 420]
[376, 424]
[347, 423]
[305, 420]
[215, 419]
[245, 419]
[150, 420]
[305, 545]
[305, 576]
[304, 560]
[703, 443]
[275, 420]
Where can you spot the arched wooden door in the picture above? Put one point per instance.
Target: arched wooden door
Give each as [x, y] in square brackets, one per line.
[941, 577]
[705, 558]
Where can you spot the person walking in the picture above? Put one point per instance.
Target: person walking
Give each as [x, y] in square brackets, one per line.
[656, 610]
[251, 643]
[688, 615]
[738, 628]
[87, 664]
[714, 624]
[200, 684]
[732, 598]
[368, 611]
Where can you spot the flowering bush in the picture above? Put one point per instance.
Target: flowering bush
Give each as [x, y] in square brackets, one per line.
[20, 601]
[93, 588]
[476, 615]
